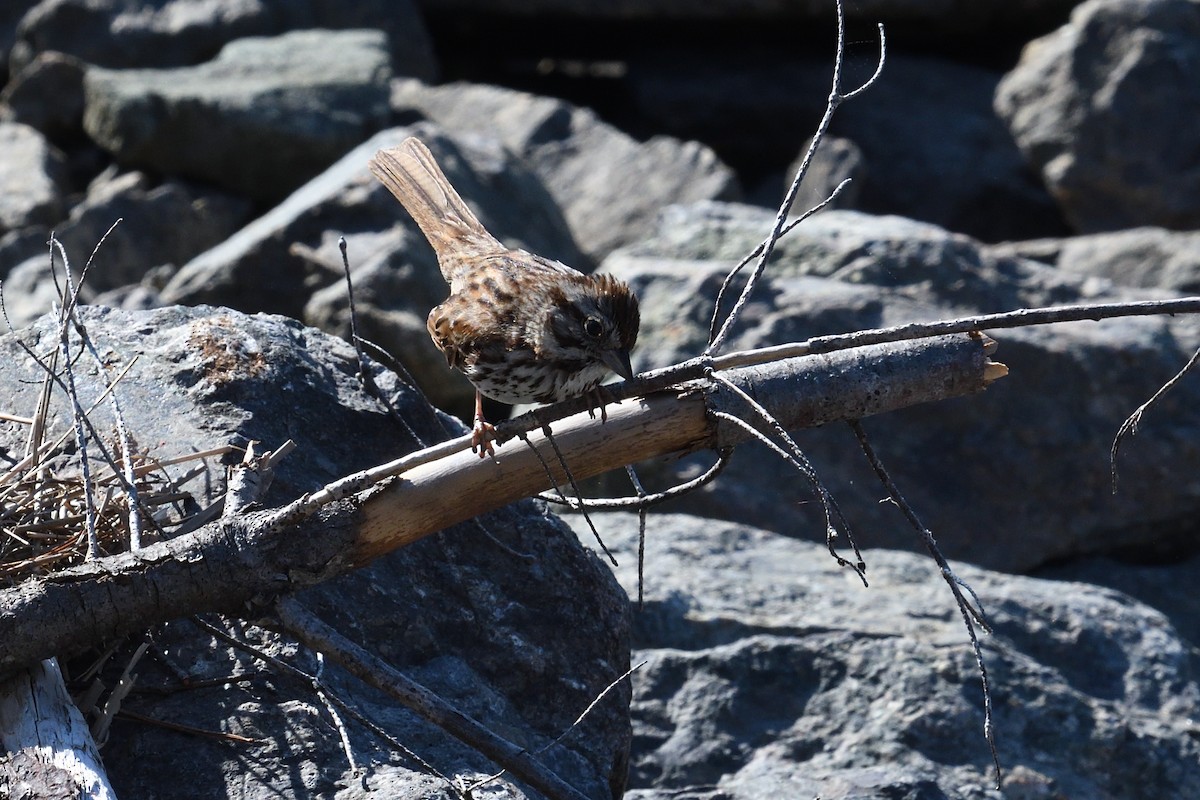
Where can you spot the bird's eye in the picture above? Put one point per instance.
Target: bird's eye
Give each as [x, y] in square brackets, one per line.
[593, 327]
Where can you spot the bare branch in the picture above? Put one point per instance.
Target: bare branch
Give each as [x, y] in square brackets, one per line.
[1130, 425]
[231, 562]
[836, 98]
[315, 682]
[643, 500]
[370, 669]
[25, 736]
[595, 702]
[970, 613]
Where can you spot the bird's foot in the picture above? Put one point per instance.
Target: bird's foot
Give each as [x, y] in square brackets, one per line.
[598, 398]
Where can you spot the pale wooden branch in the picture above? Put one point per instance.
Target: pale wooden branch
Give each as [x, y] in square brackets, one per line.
[235, 561]
[51, 752]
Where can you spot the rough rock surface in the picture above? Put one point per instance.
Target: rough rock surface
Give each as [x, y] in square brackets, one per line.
[261, 118]
[607, 183]
[53, 75]
[932, 147]
[1140, 257]
[173, 33]
[771, 672]
[1027, 460]
[1089, 104]
[142, 226]
[32, 178]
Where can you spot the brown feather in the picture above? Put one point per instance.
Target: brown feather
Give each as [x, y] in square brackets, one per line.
[452, 229]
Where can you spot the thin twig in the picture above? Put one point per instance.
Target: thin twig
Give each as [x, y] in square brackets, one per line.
[285, 668]
[396, 366]
[365, 379]
[641, 550]
[836, 98]
[179, 727]
[562, 462]
[78, 416]
[595, 702]
[639, 502]
[757, 251]
[344, 735]
[36, 457]
[99, 727]
[88, 264]
[1021, 318]
[128, 485]
[1130, 425]
[971, 614]
[315, 634]
[797, 458]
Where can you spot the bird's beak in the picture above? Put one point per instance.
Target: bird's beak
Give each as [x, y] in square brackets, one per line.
[618, 361]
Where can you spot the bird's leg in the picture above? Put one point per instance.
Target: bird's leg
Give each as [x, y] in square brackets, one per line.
[483, 433]
[599, 397]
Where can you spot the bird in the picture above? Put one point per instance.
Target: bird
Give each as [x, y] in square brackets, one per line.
[522, 328]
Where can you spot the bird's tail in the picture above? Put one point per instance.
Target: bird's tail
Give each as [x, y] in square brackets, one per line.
[410, 173]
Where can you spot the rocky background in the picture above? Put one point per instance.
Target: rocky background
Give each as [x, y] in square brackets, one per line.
[1012, 154]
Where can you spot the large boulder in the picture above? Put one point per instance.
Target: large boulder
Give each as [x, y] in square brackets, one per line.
[770, 672]
[1013, 478]
[608, 184]
[1142, 257]
[32, 179]
[174, 33]
[263, 117]
[1106, 108]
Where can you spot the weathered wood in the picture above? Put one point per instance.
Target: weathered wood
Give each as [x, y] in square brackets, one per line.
[49, 754]
[231, 562]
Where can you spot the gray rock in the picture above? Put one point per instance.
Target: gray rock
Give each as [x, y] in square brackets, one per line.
[933, 147]
[770, 672]
[935, 151]
[1012, 478]
[172, 33]
[158, 225]
[261, 119]
[1140, 257]
[608, 184]
[835, 161]
[522, 644]
[48, 95]
[1168, 586]
[146, 225]
[32, 178]
[396, 282]
[1106, 108]
[395, 274]
[31, 289]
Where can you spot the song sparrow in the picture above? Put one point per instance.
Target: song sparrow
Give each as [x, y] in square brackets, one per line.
[521, 327]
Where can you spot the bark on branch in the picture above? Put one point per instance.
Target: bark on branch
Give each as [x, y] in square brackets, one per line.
[234, 562]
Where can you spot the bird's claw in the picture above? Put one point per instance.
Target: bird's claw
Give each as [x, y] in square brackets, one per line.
[599, 397]
[482, 436]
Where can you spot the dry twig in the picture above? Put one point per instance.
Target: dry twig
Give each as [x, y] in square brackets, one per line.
[369, 668]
